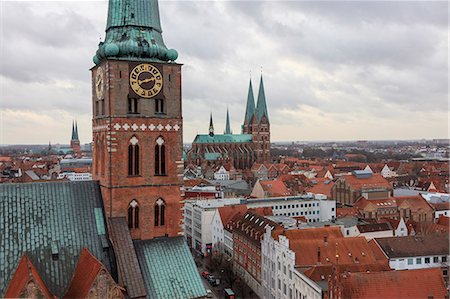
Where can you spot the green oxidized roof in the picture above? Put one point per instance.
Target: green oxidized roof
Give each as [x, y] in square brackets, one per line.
[212, 156]
[261, 107]
[168, 268]
[226, 138]
[250, 109]
[133, 32]
[38, 218]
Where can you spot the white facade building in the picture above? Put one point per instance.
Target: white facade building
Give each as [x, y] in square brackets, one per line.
[198, 219]
[280, 278]
[75, 176]
[416, 252]
[222, 174]
[314, 208]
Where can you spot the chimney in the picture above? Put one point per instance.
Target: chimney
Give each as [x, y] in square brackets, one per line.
[318, 254]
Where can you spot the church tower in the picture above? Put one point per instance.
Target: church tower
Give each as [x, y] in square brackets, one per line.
[137, 121]
[256, 123]
[74, 140]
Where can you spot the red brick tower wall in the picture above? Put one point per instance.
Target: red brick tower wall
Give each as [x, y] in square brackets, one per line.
[115, 128]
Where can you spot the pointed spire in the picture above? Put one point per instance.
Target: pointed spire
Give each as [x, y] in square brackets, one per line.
[76, 130]
[250, 109]
[261, 107]
[73, 131]
[227, 126]
[211, 126]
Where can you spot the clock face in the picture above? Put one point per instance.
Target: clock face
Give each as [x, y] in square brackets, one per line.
[146, 80]
[99, 82]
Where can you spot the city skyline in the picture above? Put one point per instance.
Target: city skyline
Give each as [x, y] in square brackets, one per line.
[332, 71]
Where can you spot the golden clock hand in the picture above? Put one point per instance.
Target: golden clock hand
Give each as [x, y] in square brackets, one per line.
[146, 80]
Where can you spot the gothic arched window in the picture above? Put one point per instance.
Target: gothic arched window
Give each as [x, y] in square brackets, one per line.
[160, 157]
[133, 157]
[133, 214]
[160, 212]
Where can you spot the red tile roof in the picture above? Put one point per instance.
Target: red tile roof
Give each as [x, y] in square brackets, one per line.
[87, 270]
[25, 273]
[421, 283]
[274, 188]
[443, 220]
[321, 186]
[227, 212]
[346, 211]
[351, 250]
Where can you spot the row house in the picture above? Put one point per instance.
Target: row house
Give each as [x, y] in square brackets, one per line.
[248, 233]
[269, 171]
[348, 188]
[297, 263]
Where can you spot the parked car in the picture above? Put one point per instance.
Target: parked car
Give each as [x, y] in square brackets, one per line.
[205, 274]
[229, 294]
[209, 293]
[213, 280]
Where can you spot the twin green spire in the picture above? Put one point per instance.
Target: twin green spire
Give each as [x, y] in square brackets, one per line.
[261, 107]
[133, 32]
[74, 131]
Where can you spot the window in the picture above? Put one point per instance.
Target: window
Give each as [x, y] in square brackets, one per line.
[427, 260]
[133, 106]
[410, 261]
[133, 214]
[160, 208]
[418, 260]
[160, 157]
[436, 259]
[133, 157]
[159, 106]
[444, 259]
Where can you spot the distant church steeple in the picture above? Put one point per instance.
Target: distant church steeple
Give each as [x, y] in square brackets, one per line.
[211, 126]
[261, 107]
[74, 141]
[227, 126]
[250, 109]
[74, 131]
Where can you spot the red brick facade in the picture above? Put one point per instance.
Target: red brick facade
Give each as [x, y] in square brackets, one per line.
[129, 133]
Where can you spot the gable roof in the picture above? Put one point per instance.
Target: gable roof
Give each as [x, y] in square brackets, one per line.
[227, 212]
[130, 275]
[51, 218]
[351, 250]
[375, 180]
[395, 247]
[274, 188]
[374, 227]
[25, 272]
[87, 270]
[168, 268]
[420, 283]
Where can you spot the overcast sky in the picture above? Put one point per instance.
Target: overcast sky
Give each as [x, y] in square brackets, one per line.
[332, 70]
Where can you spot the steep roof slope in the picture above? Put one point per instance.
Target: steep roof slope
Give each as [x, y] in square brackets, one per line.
[45, 220]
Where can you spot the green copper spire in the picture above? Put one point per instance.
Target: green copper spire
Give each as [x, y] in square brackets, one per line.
[211, 126]
[261, 107]
[133, 32]
[74, 131]
[227, 126]
[250, 109]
